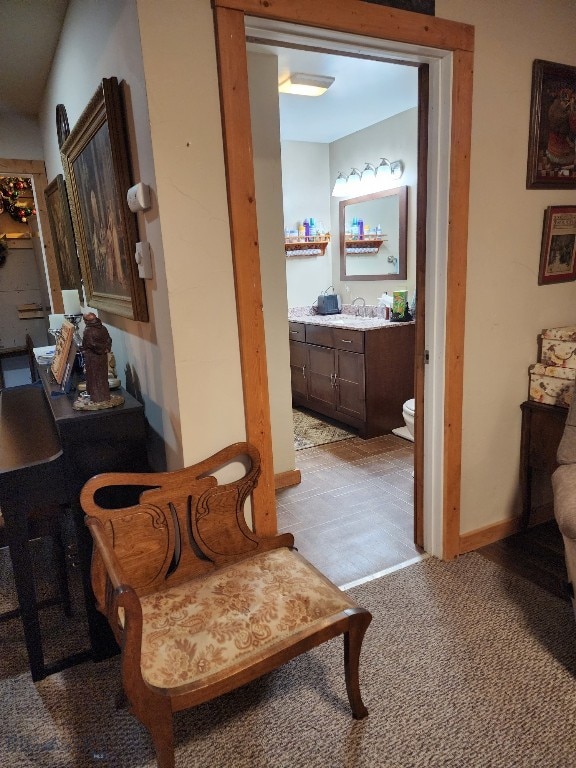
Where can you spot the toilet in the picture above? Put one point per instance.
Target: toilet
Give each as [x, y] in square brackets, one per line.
[407, 432]
[408, 414]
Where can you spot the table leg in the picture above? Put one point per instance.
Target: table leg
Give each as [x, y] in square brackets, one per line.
[17, 535]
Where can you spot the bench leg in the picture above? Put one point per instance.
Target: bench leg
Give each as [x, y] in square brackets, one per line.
[352, 646]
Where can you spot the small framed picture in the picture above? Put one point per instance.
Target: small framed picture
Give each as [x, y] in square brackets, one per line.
[558, 251]
[551, 153]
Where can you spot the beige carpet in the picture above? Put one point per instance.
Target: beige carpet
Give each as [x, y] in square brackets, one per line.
[311, 430]
[464, 665]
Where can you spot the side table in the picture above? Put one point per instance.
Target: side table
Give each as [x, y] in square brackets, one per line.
[542, 429]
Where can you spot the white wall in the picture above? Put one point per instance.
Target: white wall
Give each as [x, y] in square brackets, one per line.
[19, 137]
[505, 308]
[101, 39]
[179, 57]
[396, 139]
[263, 83]
[306, 188]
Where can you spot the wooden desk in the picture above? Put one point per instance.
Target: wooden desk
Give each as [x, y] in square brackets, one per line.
[110, 440]
[542, 429]
[31, 472]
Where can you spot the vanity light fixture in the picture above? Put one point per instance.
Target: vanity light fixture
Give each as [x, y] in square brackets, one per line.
[369, 178]
[339, 189]
[353, 183]
[306, 85]
[374, 178]
[389, 169]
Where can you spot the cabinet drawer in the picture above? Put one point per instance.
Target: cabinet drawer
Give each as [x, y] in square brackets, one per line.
[319, 334]
[353, 341]
[297, 331]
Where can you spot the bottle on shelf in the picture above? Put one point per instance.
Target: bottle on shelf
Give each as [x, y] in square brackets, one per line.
[354, 229]
[301, 231]
[312, 228]
[361, 228]
[306, 228]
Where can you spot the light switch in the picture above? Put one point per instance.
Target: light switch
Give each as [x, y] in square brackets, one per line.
[144, 260]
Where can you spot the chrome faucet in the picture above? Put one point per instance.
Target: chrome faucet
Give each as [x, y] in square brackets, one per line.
[359, 298]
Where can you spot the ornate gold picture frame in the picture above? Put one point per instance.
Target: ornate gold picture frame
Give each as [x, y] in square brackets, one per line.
[95, 158]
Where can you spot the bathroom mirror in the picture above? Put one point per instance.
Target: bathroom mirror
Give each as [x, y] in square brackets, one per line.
[373, 236]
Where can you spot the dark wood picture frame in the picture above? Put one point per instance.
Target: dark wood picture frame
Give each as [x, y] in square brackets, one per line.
[558, 249]
[63, 236]
[551, 153]
[95, 158]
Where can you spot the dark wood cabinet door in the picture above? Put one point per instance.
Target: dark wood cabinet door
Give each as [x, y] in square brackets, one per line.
[299, 372]
[350, 384]
[321, 375]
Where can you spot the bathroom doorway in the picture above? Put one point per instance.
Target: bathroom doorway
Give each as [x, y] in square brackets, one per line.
[310, 161]
[447, 48]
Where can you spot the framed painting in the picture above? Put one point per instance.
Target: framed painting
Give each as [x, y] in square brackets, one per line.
[95, 158]
[551, 153]
[558, 251]
[63, 236]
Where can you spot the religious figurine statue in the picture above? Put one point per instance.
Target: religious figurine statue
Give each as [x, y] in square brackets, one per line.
[96, 344]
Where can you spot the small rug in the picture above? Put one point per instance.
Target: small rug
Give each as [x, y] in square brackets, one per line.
[311, 430]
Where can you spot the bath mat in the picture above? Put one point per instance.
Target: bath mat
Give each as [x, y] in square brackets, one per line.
[310, 430]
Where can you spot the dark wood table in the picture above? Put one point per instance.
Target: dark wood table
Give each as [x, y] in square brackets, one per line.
[48, 451]
[31, 473]
[542, 430]
[108, 440]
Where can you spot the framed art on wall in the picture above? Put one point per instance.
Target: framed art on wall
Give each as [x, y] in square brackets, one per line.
[558, 251]
[63, 235]
[95, 158]
[551, 153]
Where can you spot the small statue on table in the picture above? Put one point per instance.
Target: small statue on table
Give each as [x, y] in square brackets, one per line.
[96, 346]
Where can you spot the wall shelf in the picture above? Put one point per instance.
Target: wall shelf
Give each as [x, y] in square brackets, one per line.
[314, 245]
[365, 245]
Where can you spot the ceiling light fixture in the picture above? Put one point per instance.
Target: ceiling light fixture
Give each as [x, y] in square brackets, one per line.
[306, 85]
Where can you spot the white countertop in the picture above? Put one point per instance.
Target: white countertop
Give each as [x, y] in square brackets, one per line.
[351, 322]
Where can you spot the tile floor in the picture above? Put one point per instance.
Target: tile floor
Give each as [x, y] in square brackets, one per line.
[352, 514]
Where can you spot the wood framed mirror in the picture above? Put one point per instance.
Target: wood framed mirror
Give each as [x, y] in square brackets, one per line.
[373, 236]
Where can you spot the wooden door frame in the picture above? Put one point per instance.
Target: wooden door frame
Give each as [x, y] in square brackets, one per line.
[36, 170]
[373, 21]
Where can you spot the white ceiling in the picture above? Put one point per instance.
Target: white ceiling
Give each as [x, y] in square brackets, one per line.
[29, 32]
[364, 92]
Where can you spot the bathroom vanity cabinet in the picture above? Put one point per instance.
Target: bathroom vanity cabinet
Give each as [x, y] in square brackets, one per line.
[359, 377]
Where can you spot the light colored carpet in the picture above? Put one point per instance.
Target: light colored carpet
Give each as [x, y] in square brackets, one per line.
[464, 665]
[311, 430]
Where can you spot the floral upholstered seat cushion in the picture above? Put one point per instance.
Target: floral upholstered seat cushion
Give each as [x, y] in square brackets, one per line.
[232, 616]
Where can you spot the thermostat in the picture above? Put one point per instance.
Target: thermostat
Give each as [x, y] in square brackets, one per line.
[138, 197]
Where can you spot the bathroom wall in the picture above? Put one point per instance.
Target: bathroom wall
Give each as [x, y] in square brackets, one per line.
[308, 174]
[395, 139]
[306, 192]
